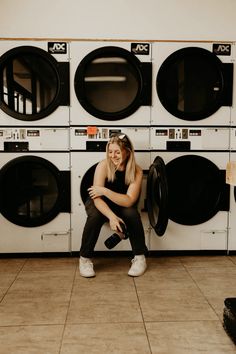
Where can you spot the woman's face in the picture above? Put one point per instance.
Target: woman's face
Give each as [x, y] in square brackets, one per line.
[118, 156]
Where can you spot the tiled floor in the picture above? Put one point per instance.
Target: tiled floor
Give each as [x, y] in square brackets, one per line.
[174, 308]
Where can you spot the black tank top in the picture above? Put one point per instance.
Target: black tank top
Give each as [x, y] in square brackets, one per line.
[118, 185]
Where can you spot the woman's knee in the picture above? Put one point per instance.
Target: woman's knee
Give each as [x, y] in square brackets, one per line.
[130, 213]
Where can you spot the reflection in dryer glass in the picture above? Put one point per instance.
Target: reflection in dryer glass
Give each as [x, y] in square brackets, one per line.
[28, 83]
[190, 83]
[111, 84]
[31, 191]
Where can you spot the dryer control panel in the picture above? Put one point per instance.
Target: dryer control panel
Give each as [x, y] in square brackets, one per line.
[189, 138]
[93, 138]
[34, 139]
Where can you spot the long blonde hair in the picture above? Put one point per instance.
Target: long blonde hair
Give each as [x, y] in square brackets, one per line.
[123, 141]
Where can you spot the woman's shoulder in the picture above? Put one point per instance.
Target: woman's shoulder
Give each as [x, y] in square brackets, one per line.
[102, 166]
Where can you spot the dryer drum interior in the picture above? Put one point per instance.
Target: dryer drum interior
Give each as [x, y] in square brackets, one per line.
[33, 191]
[193, 83]
[32, 83]
[190, 192]
[111, 83]
[197, 190]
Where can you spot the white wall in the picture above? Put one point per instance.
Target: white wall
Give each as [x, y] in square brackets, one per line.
[119, 19]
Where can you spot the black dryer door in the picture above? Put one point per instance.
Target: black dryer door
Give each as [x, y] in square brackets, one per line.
[193, 83]
[157, 196]
[112, 83]
[33, 191]
[32, 83]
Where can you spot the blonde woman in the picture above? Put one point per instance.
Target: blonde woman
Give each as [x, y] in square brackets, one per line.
[113, 197]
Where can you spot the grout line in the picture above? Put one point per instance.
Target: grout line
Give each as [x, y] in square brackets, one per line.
[201, 291]
[16, 276]
[69, 302]
[144, 324]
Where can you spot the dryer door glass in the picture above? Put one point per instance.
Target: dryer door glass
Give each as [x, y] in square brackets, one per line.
[190, 83]
[195, 187]
[157, 196]
[108, 83]
[29, 83]
[30, 191]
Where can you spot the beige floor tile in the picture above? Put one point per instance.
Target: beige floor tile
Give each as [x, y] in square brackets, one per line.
[168, 279]
[216, 300]
[206, 337]
[51, 264]
[102, 305]
[216, 279]
[110, 281]
[32, 308]
[11, 264]
[175, 305]
[112, 264]
[174, 261]
[30, 339]
[233, 258]
[44, 281]
[206, 261]
[105, 339]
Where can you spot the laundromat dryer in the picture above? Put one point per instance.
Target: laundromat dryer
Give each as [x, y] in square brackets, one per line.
[88, 146]
[231, 179]
[187, 197]
[111, 83]
[34, 190]
[34, 83]
[192, 83]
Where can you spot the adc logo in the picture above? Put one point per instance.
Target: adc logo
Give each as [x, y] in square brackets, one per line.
[57, 47]
[222, 49]
[140, 48]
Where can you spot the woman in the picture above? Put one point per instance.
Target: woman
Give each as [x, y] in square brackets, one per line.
[113, 197]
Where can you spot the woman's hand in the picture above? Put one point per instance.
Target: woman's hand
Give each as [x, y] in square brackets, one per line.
[96, 191]
[115, 223]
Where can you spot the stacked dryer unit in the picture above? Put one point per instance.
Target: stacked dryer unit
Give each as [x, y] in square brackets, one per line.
[34, 147]
[232, 182]
[110, 92]
[188, 199]
[87, 149]
[111, 83]
[232, 214]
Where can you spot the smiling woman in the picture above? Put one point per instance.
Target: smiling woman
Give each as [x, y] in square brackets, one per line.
[113, 197]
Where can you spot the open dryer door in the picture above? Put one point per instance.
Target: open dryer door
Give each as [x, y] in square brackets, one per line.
[157, 196]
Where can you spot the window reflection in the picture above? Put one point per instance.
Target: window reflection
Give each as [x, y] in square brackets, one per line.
[111, 84]
[28, 83]
[31, 190]
[189, 83]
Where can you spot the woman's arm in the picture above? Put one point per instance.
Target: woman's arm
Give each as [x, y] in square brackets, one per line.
[125, 200]
[99, 178]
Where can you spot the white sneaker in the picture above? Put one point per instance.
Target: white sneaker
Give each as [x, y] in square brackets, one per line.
[138, 266]
[86, 267]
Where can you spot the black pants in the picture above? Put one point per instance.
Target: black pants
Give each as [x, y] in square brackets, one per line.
[96, 219]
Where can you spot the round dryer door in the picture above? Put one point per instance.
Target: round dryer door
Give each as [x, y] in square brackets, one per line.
[193, 83]
[111, 83]
[157, 196]
[33, 191]
[197, 189]
[32, 83]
